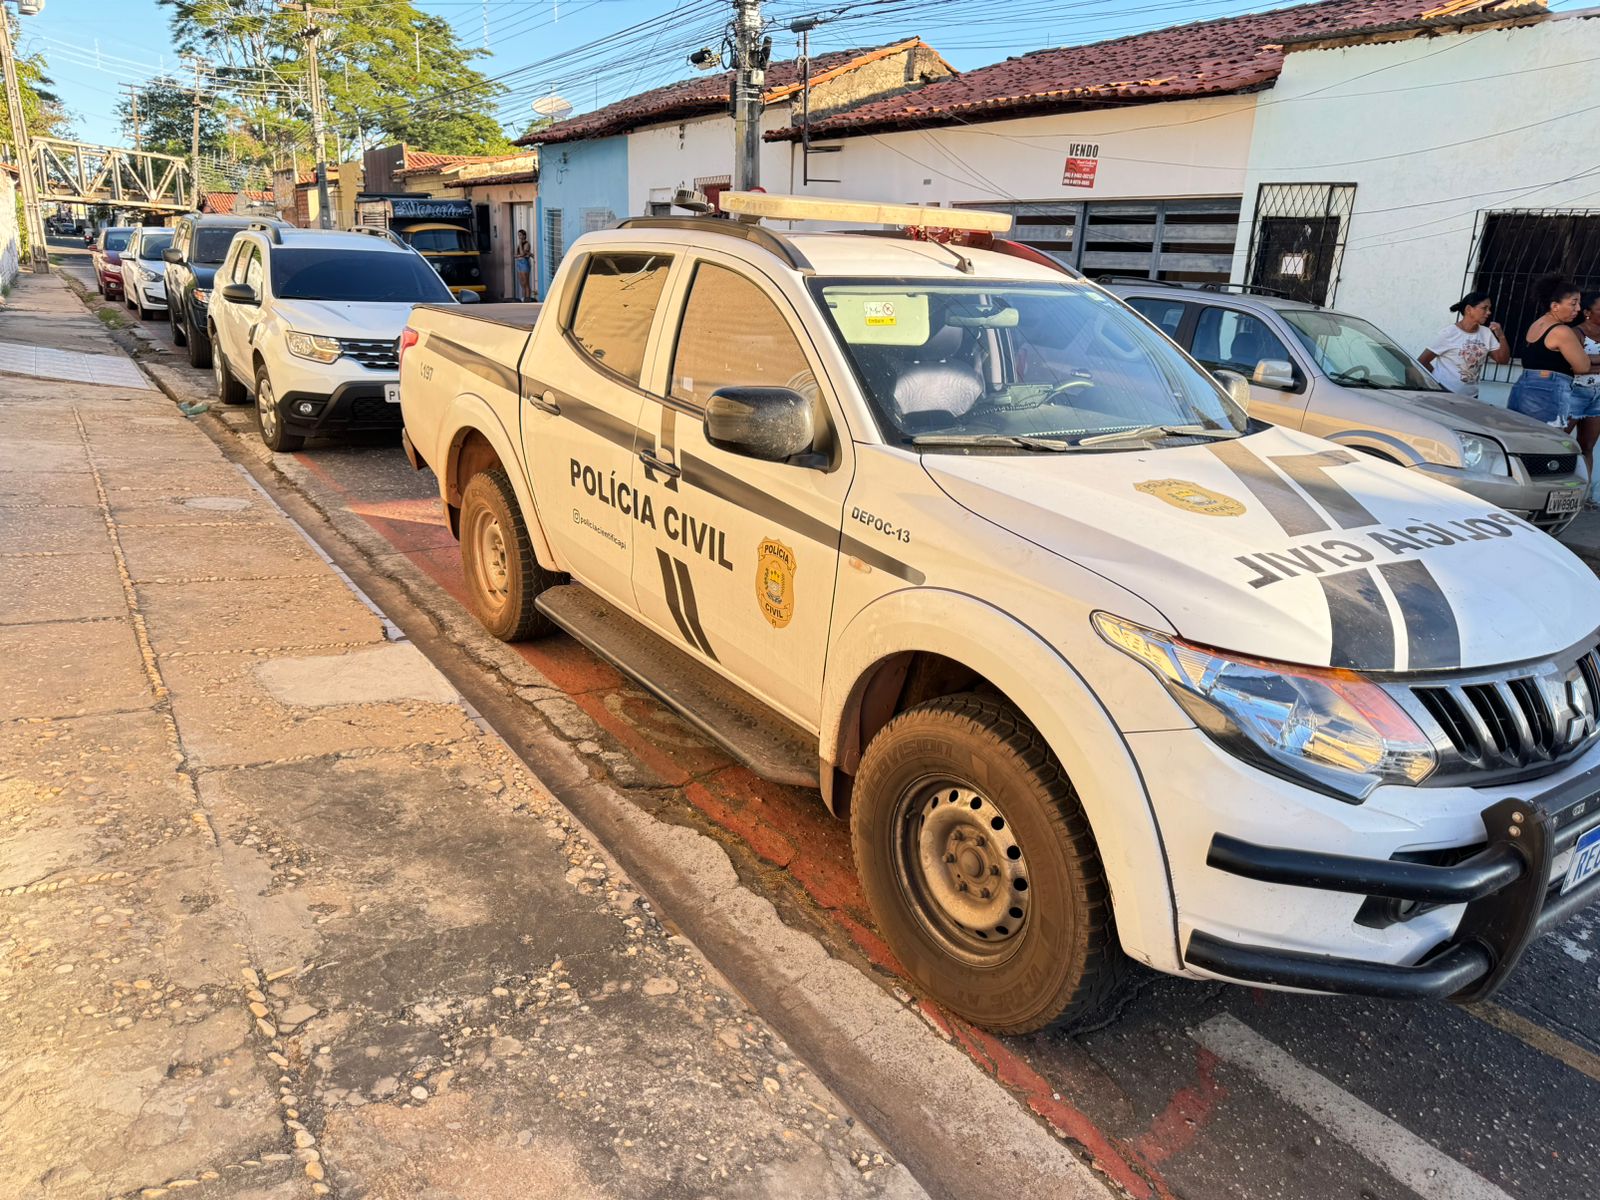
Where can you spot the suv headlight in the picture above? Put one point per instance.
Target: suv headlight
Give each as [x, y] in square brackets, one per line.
[1335, 730]
[202, 295]
[1481, 455]
[314, 346]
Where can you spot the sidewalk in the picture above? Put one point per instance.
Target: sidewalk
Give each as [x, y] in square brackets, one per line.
[278, 918]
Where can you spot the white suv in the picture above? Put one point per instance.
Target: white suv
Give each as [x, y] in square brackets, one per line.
[309, 321]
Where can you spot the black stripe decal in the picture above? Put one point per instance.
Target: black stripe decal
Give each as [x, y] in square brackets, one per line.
[598, 422]
[1433, 639]
[701, 474]
[670, 583]
[1363, 630]
[691, 611]
[1286, 506]
[480, 365]
[1310, 471]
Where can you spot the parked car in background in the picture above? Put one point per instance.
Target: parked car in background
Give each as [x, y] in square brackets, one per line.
[1339, 377]
[199, 244]
[107, 255]
[144, 283]
[308, 321]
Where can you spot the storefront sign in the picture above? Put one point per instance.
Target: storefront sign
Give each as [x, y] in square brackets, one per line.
[1083, 160]
[433, 210]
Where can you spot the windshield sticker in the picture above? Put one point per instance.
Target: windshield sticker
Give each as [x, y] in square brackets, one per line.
[775, 568]
[878, 312]
[1191, 497]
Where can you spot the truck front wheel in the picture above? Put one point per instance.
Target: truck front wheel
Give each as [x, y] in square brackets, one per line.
[503, 575]
[980, 867]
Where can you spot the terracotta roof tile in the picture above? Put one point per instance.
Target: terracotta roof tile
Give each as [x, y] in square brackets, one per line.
[425, 160]
[1215, 57]
[226, 202]
[698, 96]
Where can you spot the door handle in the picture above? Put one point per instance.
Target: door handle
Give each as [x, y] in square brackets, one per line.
[545, 402]
[652, 463]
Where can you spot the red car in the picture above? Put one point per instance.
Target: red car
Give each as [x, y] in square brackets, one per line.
[108, 248]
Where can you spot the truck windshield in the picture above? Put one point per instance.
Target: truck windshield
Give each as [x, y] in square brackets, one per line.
[442, 241]
[211, 245]
[1008, 364]
[372, 277]
[1356, 354]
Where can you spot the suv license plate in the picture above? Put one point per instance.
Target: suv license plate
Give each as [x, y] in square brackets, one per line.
[1585, 860]
[391, 393]
[1564, 502]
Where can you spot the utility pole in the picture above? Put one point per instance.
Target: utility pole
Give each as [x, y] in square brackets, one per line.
[751, 54]
[194, 137]
[38, 251]
[319, 134]
[133, 98]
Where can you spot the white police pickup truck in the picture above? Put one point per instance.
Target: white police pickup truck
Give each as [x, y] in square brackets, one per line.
[1099, 668]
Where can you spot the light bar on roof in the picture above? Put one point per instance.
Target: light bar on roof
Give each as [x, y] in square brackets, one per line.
[860, 212]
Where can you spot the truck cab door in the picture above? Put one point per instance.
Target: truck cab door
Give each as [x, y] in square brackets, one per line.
[738, 566]
[581, 402]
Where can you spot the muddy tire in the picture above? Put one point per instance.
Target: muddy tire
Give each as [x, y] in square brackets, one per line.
[502, 573]
[229, 389]
[269, 420]
[981, 870]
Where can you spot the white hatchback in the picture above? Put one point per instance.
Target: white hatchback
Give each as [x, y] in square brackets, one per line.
[144, 283]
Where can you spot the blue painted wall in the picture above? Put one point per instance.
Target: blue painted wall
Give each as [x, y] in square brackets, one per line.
[575, 179]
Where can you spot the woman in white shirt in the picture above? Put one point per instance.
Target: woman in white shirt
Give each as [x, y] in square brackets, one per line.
[1456, 354]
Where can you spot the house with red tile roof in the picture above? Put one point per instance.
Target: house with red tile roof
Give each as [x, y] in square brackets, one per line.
[631, 157]
[1126, 156]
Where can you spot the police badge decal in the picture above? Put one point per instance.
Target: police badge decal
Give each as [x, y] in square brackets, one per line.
[775, 567]
[1191, 497]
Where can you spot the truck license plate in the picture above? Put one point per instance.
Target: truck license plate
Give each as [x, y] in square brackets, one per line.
[1561, 503]
[1585, 860]
[391, 393]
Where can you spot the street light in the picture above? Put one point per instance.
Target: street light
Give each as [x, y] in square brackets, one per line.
[19, 138]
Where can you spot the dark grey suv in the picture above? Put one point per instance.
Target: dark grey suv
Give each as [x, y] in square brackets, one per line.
[200, 242]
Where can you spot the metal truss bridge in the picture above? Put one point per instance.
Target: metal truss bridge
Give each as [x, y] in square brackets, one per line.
[78, 173]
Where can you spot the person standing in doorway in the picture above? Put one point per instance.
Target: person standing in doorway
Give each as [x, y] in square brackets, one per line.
[1586, 384]
[522, 261]
[1456, 354]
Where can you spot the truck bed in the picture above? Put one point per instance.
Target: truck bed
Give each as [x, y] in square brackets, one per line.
[517, 316]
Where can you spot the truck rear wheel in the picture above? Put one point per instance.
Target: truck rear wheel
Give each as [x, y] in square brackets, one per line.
[503, 574]
[981, 870]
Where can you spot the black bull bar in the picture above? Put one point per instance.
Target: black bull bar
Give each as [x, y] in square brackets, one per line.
[1509, 895]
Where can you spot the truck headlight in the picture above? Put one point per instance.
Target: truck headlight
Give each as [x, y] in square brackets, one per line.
[1335, 730]
[1481, 455]
[314, 346]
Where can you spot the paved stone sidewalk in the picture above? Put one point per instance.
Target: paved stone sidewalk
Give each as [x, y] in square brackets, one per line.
[278, 918]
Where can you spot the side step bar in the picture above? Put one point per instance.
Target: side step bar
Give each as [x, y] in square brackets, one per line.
[771, 746]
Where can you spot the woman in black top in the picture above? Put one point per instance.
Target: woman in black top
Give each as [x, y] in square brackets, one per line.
[1551, 353]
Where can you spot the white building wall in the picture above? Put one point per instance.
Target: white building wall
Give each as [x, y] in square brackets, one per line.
[10, 238]
[1149, 151]
[666, 157]
[1431, 131]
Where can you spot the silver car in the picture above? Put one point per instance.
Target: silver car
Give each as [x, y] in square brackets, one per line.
[1341, 378]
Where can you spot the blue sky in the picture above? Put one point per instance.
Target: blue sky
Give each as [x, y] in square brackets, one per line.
[95, 45]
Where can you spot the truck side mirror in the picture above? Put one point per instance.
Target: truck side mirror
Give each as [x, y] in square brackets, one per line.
[1275, 373]
[770, 423]
[171, 255]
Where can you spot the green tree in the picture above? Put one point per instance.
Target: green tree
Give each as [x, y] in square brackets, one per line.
[166, 119]
[390, 72]
[42, 110]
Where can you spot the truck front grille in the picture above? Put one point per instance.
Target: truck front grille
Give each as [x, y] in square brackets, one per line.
[1513, 722]
[373, 353]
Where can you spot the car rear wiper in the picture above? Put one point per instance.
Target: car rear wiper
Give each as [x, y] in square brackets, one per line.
[1146, 432]
[1022, 441]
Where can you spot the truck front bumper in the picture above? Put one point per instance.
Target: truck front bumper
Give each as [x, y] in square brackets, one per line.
[1511, 889]
[1415, 893]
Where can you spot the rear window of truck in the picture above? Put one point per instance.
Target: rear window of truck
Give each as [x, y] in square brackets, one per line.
[616, 306]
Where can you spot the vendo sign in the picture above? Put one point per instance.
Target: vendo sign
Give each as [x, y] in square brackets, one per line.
[1083, 160]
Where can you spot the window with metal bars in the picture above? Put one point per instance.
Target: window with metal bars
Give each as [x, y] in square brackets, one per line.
[1512, 249]
[1297, 239]
[554, 244]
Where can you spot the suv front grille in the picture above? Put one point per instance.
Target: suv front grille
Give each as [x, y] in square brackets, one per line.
[1516, 722]
[375, 354]
[1549, 464]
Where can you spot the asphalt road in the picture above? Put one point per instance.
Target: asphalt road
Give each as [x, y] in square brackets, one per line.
[1198, 1091]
